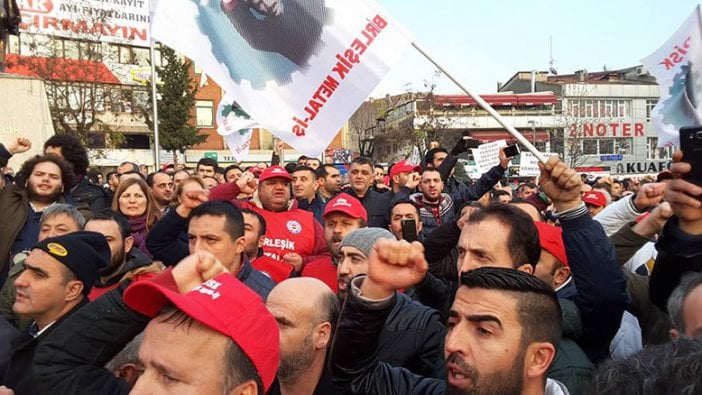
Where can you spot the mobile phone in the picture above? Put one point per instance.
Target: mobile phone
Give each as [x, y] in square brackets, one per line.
[409, 230]
[511, 150]
[691, 146]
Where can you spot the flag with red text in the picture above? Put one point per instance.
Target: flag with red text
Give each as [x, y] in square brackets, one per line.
[299, 67]
[677, 66]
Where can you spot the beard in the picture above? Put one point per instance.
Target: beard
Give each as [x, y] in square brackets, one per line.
[293, 365]
[495, 383]
[431, 199]
[115, 264]
[35, 196]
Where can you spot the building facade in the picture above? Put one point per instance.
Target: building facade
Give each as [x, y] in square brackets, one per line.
[603, 122]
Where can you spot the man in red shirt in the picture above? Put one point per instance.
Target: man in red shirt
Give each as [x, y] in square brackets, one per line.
[293, 236]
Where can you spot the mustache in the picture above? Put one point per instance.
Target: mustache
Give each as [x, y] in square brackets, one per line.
[466, 369]
[337, 239]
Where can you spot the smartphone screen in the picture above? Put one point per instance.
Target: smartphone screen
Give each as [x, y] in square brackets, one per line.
[512, 150]
[409, 230]
[691, 146]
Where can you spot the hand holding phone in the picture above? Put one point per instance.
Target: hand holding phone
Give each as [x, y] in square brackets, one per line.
[511, 150]
[691, 146]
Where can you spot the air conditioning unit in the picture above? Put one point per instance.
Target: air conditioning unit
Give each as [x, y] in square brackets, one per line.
[641, 71]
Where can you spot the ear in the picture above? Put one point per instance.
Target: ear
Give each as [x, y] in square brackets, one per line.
[130, 372]
[526, 268]
[322, 335]
[396, 179]
[562, 275]
[245, 388]
[538, 359]
[674, 334]
[261, 240]
[74, 289]
[239, 245]
[128, 244]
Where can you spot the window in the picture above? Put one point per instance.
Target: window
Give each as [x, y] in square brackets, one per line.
[600, 108]
[204, 110]
[649, 108]
[658, 153]
[618, 146]
[136, 141]
[13, 44]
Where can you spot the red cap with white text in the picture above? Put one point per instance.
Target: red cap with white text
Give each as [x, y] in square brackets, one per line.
[224, 304]
[273, 172]
[347, 204]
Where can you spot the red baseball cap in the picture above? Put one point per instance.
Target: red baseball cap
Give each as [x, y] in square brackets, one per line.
[551, 240]
[224, 304]
[404, 166]
[595, 198]
[347, 204]
[273, 172]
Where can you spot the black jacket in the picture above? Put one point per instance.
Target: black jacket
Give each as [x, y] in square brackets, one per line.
[92, 195]
[468, 192]
[678, 253]
[356, 359]
[325, 386]
[377, 207]
[20, 375]
[413, 338]
[71, 360]
[7, 334]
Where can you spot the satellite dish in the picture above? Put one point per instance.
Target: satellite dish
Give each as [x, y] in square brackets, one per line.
[553, 70]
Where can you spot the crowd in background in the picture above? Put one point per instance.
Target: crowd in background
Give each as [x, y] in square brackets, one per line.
[354, 278]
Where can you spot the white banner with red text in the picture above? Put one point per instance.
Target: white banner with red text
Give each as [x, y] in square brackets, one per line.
[677, 66]
[300, 67]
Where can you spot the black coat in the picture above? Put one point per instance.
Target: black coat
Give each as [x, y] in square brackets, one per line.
[92, 195]
[377, 207]
[20, 373]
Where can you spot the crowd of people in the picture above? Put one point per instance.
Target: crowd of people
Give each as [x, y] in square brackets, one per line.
[312, 278]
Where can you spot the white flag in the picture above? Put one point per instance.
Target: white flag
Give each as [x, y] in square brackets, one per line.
[677, 66]
[488, 155]
[299, 67]
[235, 125]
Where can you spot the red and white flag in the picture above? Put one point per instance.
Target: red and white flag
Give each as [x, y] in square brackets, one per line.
[677, 66]
[299, 67]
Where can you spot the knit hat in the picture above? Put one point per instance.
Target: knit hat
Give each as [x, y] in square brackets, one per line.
[363, 239]
[84, 253]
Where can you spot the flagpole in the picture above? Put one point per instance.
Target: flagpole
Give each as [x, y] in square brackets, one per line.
[482, 103]
[154, 99]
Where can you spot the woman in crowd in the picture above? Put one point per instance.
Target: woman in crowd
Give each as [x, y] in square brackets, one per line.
[134, 200]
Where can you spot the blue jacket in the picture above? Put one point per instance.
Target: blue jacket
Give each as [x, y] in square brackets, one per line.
[601, 287]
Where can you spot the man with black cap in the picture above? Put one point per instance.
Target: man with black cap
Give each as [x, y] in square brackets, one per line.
[59, 274]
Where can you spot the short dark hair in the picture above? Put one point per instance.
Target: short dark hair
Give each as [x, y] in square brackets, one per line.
[538, 308]
[362, 160]
[234, 221]
[429, 157]
[670, 368]
[322, 171]
[207, 162]
[150, 177]
[67, 176]
[122, 222]
[405, 201]
[523, 242]
[379, 166]
[110, 174]
[261, 220]
[305, 168]
[429, 170]
[72, 151]
[527, 184]
[495, 195]
[135, 167]
[301, 157]
[232, 167]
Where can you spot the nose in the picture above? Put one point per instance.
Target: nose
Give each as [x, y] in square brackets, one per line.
[466, 264]
[452, 343]
[144, 385]
[343, 268]
[21, 281]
